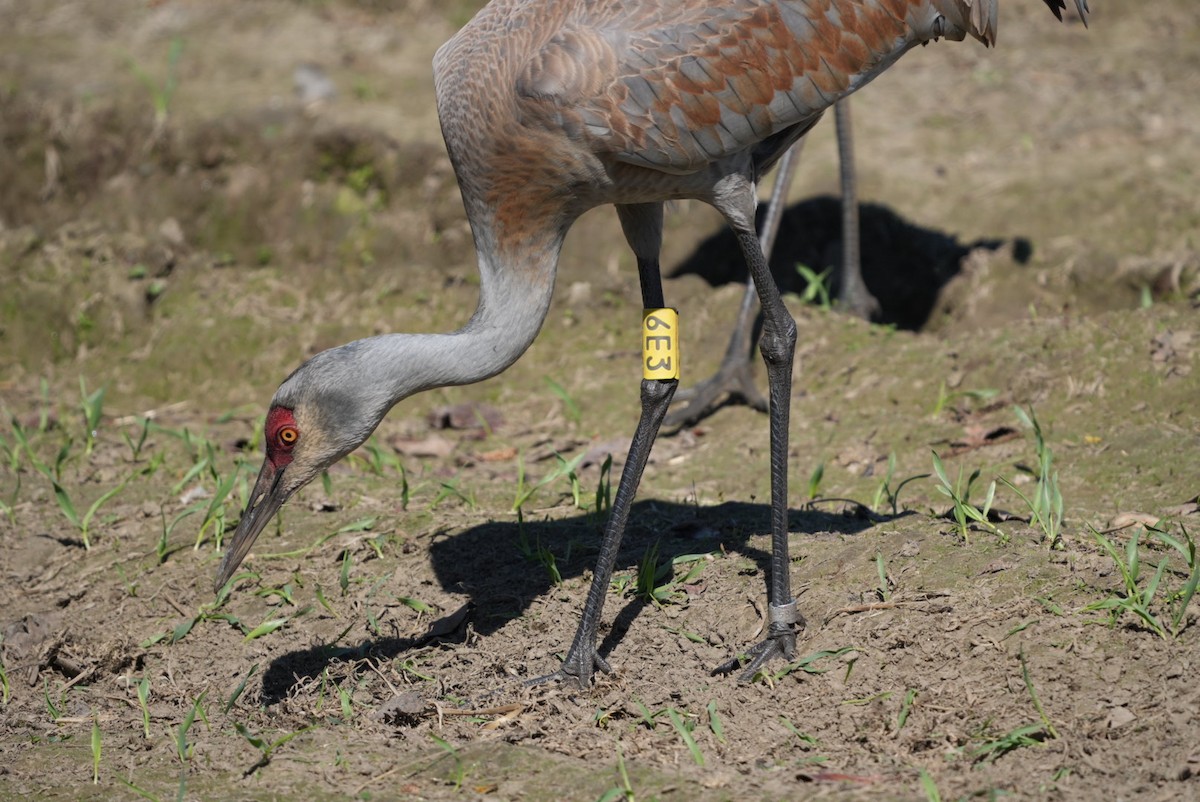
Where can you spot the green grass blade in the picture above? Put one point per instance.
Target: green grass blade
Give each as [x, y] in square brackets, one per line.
[265, 628]
[67, 507]
[95, 750]
[237, 692]
[686, 735]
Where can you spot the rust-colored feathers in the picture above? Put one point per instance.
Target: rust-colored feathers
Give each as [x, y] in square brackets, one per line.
[547, 104]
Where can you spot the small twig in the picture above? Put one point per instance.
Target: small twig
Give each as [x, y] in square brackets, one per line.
[386, 681]
[487, 711]
[762, 619]
[150, 414]
[79, 678]
[375, 779]
[890, 605]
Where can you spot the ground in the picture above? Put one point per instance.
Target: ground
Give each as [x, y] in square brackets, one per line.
[186, 213]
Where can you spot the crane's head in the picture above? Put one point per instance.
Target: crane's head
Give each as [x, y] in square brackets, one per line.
[322, 412]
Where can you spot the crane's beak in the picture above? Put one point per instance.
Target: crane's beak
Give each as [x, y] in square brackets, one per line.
[268, 496]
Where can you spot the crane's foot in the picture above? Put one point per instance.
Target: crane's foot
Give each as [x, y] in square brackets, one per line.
[860, 303]
[578, 668]
[732, 382]
[786, 624]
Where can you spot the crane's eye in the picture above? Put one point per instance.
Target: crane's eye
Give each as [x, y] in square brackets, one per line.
[287, 436]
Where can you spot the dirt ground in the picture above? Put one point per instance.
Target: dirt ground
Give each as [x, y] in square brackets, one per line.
[194, 196]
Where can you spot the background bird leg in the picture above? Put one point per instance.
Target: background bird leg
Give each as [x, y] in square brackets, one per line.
[734, 378]
[733, 382]
[642, 224]
[853, 295]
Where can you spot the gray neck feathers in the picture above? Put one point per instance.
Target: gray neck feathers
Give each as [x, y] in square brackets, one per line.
[357, 383]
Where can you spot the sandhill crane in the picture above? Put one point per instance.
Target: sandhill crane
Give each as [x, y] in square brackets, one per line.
[552, 107]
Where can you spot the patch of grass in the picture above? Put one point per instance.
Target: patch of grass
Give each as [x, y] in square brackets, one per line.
[930, 787]
[143, 694]
[161, 91]
[344, 574]
[55, 710]
[84, 523]
[142, 792]
[137, 442]
[346, 700]
[1028, 735]
[714, 722]
[804, 737]
[1181, 598]
[376, 459]
[96, 749]
[92, 406]
[816, 289]
[565, 468]
[905, 709]
[450, 489]
[656, 580]
[648, 718]
[625, 789]
[814, 480]
[684, 725]
[959, 493]
[212, 612]
[569, 406]
[1037, 702]
[361, 525]
[12, 458]
[1046, 505]
[459, 775]
[806, 664]
[884, 589]
[214, 514]
[538, 554]
[183, 748]
[266, 747]
[239, 690]
[1136, 597]
[945, 397]
[884, 490]
[265, 628]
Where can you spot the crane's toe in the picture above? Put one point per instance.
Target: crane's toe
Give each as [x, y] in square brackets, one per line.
[733, 383]
[779, 643]
[579, 668]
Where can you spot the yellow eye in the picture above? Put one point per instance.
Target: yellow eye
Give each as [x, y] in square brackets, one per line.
[288, 436]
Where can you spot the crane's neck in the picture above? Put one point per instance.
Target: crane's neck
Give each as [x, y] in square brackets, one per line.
[515, 292]
[339, 396]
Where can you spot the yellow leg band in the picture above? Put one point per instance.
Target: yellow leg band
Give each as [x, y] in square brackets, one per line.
[660, 344]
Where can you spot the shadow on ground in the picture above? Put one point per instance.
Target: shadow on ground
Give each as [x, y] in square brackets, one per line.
[904, 265]
[502, 567]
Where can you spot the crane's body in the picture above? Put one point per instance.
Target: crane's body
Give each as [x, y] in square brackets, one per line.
[552, 107]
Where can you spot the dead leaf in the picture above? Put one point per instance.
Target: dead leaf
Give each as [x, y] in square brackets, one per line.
[497, 455]
[432, 446]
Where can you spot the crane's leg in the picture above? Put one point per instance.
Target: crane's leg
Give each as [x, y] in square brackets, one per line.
[853, 295]
[734, 378]
[642, 224]
[778, 346]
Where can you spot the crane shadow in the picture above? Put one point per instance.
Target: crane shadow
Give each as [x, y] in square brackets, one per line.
[503, 566]
[904, 265]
